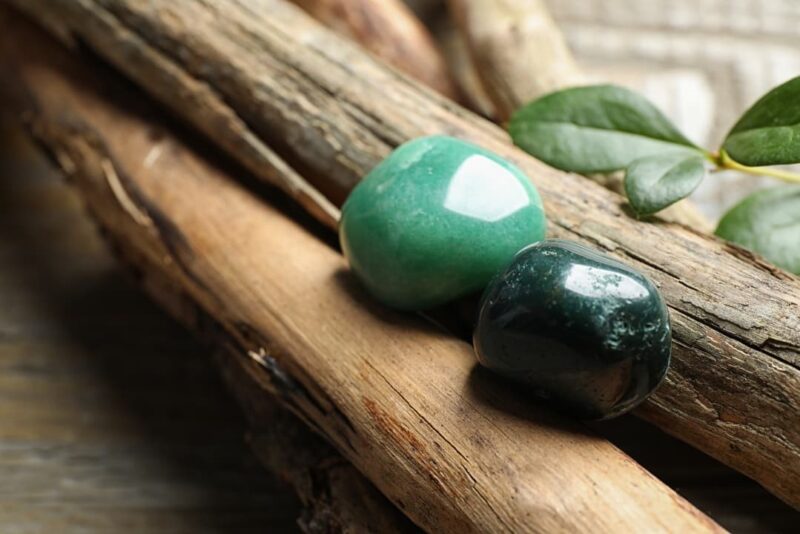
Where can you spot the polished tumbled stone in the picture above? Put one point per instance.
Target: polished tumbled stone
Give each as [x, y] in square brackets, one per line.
[583, 331]
[436, 220]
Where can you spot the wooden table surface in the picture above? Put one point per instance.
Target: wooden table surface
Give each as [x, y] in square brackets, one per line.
[111, 418]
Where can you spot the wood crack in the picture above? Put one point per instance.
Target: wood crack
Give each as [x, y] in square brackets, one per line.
[466, 462]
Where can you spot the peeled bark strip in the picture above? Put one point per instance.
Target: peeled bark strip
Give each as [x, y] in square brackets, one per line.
[517, 49]
[332, 111]
[390, 31]
[400, 399]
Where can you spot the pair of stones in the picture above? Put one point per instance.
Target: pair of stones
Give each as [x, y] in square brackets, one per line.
[440, 219]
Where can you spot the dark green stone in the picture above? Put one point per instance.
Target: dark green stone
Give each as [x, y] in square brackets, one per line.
[436, 220]
[584, 331]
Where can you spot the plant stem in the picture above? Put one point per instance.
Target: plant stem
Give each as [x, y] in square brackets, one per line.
[724, 161]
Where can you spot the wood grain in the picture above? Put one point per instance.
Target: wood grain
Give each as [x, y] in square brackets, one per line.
[456, 53]
[389, 30]
[336, 497]
[517, 50]
[112, 418]
[398, 398]
[105, 399]
[38, 207]
[734, 387]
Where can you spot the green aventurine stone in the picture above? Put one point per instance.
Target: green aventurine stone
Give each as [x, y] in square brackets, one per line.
[436, 220]
[582, 330]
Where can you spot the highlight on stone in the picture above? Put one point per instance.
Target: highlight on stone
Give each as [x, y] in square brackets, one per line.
[436, 220]
[587, 333]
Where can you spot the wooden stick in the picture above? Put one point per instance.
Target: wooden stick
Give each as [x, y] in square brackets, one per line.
[336, 497]
[400, 399]
[191, 97]
[517, 49]
[456, 53]
[389, 30]
[734, 387]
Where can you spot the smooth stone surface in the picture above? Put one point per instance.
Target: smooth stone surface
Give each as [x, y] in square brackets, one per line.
[436, 220]
[588, 334]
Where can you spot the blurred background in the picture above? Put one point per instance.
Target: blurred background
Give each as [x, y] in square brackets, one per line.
[703, 62]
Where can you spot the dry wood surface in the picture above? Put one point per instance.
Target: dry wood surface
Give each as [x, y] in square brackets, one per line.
[399, 398]
[456, 53]
[389, 30]
[333, 113]
[76, 330]
[335, 495]
[112, 418]
[109, 407]
[518, 51]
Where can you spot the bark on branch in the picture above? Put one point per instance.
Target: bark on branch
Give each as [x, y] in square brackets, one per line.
[397, 397]
[517, 49]
[333, 113]
[390, 31]
[336, 497]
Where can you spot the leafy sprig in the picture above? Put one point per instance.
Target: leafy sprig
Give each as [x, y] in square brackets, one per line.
[605, 128]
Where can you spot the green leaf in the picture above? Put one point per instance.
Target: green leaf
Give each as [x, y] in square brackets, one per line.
[655, 182]
[595, 129]
[769, 132]
[767, 222]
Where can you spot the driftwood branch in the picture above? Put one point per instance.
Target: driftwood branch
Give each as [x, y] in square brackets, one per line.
[456, 53]
[517, 49]
[400, 399]
[389, 30]
[335, 496]
[333, 113]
